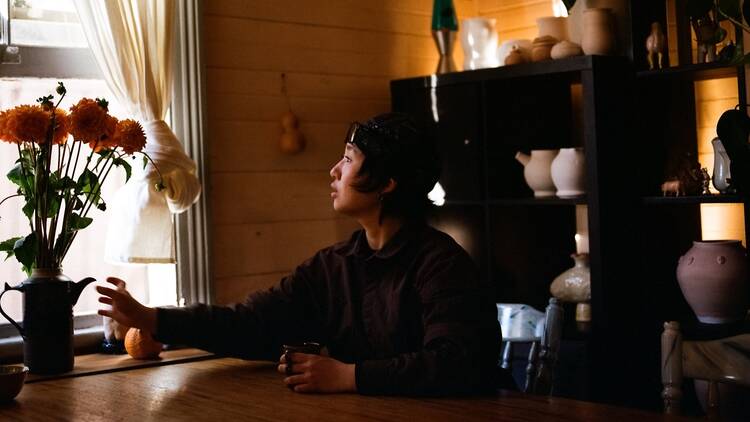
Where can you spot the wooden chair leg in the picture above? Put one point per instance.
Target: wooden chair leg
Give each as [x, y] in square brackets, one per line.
[531, 368]
[671, 367]
[507, 355]
[712, 401]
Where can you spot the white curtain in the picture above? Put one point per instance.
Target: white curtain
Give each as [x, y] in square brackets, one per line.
[132, 41]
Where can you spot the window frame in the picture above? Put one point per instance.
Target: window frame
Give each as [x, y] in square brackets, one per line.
[191, 227]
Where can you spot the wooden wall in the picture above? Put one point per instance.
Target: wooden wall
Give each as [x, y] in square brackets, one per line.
[271, 211]
[516, 19]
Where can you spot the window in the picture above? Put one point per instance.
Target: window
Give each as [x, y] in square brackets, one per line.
[41, 43]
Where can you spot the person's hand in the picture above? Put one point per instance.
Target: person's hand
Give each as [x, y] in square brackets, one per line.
[126, 310]
[317, 374]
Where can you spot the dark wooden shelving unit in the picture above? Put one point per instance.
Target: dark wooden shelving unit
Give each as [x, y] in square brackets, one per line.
[630, 121]
[538, 201]
[481, 119]
[693, 72]
[692, 200]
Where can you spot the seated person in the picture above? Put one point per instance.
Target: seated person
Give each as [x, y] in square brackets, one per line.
[399, 305]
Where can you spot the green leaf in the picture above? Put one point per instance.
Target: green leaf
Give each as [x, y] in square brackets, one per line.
[76, 222]
[16, 176]
[698, 8]
[67, 183]
[77, 204]
[28, 209]
[7, 246]
[88, 184]
[145, 161]
[25, 250]
[119, 162]
[87, 178]
[53, 205]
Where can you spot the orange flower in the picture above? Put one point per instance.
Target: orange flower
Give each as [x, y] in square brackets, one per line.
[62, 129]
[5, 134]
[130, 136]
[107, 140]
[89, 122]
[27, 123]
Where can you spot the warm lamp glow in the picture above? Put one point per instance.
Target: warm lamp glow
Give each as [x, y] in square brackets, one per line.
[437, 195]
[723, 221]
[582, 229]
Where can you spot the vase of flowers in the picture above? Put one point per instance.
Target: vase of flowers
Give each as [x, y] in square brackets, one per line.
[63, 160]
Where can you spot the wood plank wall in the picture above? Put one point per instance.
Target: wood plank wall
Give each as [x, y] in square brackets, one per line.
[271, 211]
[516, 19]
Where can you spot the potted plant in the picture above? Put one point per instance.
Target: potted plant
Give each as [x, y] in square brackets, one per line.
[59, 185]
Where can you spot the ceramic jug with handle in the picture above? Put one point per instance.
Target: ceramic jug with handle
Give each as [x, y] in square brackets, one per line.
[537, 171]
[47, 327]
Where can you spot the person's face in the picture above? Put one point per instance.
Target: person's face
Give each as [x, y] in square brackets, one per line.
[346, 199]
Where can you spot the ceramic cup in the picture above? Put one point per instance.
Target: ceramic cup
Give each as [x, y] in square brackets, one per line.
[12, 378]
[309, 348]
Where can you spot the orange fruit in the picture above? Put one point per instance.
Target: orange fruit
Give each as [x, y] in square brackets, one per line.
[140, 345]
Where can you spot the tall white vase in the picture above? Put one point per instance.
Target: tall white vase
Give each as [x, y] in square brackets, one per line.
[479, 42]
[721, 166]
[568, 171]
[620, 10]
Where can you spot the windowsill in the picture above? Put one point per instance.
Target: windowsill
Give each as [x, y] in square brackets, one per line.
[85, 340]
[100, 363]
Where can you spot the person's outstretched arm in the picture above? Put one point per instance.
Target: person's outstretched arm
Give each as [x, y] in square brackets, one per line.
[255, 329]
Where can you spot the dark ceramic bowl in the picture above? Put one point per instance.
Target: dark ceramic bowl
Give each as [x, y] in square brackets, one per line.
[12, 378]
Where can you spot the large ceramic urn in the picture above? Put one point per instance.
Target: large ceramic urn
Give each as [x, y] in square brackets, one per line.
[713, 277]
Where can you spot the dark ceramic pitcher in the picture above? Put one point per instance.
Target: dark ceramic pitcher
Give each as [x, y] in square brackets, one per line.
[47, 329]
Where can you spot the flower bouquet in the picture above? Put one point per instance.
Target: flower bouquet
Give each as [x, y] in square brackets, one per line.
[59, 182]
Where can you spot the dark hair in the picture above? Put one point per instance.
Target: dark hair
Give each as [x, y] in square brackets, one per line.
[396, 147]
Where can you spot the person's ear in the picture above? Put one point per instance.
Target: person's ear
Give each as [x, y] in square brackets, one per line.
[389, 187]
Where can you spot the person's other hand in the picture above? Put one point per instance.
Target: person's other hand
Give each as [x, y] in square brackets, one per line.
[318, 374]
[126, 310]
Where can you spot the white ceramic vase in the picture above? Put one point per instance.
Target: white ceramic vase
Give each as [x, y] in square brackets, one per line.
[598, 32]
[568, 172]
[537, 171]
[553, 26]
[574, 285]
[620, 10]
[721, 166]
[479, 42]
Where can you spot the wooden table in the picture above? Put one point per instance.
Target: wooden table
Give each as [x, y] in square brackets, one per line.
[231, 389]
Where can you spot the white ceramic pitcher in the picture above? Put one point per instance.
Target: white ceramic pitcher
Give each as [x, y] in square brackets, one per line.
[721, 166]
[568, 171]
[537, 171]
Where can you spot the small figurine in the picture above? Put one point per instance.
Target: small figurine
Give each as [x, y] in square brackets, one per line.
[655, 47]
[672, 187]
[707, 33]
[705, 179]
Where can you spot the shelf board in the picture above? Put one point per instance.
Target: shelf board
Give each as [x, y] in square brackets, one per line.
[695, 72]
[538, 201]
[518, 201]
[545, 68]
[707, 199]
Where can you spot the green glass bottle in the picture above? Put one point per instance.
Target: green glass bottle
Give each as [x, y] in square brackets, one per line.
[444, 15]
